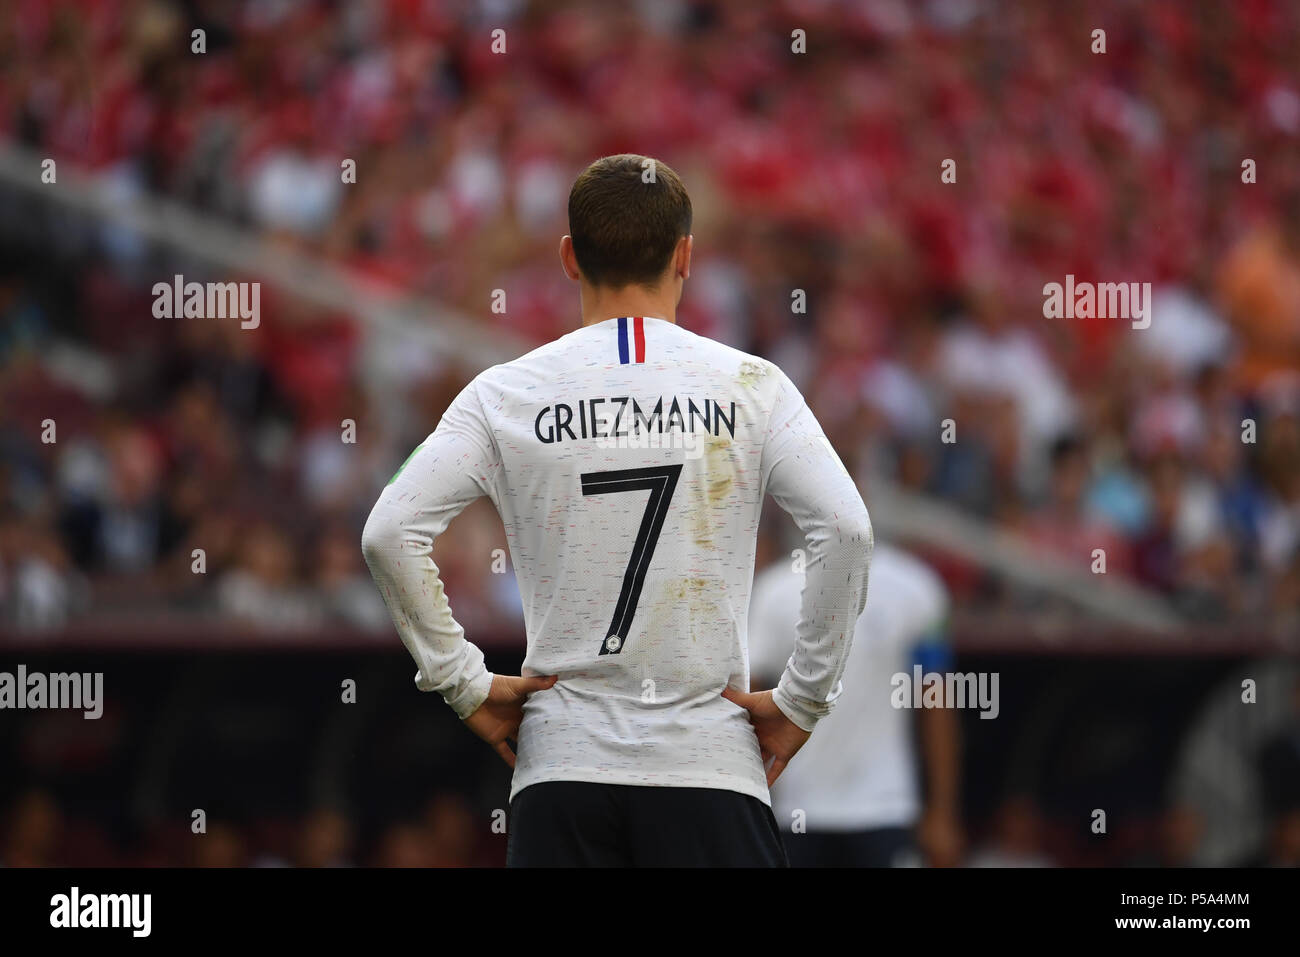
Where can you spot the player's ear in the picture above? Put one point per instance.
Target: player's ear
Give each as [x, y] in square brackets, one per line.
[682, 258]
[568, 260]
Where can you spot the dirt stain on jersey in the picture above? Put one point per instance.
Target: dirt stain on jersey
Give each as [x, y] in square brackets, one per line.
[693, 596]
[716, 479]
[686, 591]
[689, 631]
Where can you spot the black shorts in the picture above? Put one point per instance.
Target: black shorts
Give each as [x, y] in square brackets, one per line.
[581, 824]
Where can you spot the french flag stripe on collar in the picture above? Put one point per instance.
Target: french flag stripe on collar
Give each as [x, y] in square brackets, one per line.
[631, 348]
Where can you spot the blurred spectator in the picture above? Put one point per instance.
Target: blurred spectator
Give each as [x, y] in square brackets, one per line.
[1283, 849]
[1063, 524]
[404, 845]
[39, 588]
[453, 831]
[324, 840]
[1181, 830]
[223, 845]
[1016, 839]
[263, 588]
[32, 833]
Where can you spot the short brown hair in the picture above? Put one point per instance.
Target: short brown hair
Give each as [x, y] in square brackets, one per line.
[625, 229]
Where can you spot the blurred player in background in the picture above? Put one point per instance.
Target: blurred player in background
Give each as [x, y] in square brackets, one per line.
[629, 460]
[856, 781]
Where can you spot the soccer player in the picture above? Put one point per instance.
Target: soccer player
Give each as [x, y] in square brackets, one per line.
[854, 788]
[629, 461]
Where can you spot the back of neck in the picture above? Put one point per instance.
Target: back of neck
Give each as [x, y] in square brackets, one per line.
[630, 301]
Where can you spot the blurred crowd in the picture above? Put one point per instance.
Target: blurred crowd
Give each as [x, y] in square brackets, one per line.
[825, 240]
[447, 832]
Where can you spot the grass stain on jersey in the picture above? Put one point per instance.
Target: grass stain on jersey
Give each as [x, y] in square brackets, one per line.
[404, 464]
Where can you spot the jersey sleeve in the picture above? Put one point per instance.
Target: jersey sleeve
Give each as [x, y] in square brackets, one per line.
[806, 478]
[454, 466]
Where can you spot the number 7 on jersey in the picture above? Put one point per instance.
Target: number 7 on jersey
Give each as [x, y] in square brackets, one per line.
[661, 482]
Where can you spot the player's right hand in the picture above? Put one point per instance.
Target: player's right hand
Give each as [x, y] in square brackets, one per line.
[779, 738]
[497, 719]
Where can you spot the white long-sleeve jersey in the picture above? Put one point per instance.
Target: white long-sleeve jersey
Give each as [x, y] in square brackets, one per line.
[628, 461]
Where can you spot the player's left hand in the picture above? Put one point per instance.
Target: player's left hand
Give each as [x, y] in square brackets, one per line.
[497, 719]
[779, 738]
